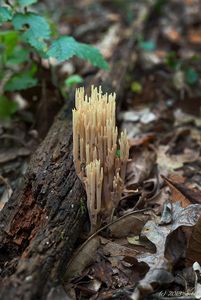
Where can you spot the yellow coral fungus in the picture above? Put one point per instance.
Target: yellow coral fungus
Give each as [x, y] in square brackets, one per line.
[95, 152]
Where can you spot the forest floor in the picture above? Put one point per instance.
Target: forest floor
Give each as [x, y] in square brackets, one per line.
[150, 249]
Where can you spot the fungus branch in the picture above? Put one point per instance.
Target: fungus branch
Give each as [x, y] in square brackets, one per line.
[94, 150]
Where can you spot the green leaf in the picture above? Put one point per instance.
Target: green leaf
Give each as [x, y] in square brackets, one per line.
[7, 108]
[66, 46]
[26, 2]
[21, 82]
[5, 14]
[73, 79]
[191, 76]
[136, 87]
[147, 45]
[8, 41]
[36, 29]
[18, 56]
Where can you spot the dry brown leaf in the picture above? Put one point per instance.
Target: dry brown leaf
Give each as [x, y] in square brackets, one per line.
[129, 224]
[140, 165]
[146, 139]
[169, 163]
[194, 248]
[182, 193]
[114, 249]
[83, 257]
[173, 35]
[159, 271]
[103, 272]
[176, 178]
[176, 195]
[194, 36]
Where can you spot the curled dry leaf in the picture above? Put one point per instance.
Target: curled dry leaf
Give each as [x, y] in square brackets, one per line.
[160, 267]
[182, 193]
[176, 194]
[140, 166]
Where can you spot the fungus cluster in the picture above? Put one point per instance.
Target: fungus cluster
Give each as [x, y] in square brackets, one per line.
[100, 158]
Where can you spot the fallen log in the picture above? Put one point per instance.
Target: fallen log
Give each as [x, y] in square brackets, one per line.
[41, 223]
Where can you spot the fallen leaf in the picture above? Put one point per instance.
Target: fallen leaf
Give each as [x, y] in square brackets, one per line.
[160, 267]
[131, 223]
[173, 35]
[82, 258]
[194, 36]
[176, 195]
[140, 166]
[182, 193]
[168, 163]
[103, 272]
[145, 140]
[114, 249]
[134, 240]
[193, 253]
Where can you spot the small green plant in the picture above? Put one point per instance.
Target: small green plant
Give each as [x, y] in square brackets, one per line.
[72, 80]
[136, 87]
[26, 34]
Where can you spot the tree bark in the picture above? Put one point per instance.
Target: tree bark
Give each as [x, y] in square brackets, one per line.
[41, 223]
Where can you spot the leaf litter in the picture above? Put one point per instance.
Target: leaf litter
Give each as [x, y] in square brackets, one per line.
[150, 250]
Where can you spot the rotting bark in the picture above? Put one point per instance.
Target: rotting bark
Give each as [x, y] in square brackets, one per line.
[40, 224]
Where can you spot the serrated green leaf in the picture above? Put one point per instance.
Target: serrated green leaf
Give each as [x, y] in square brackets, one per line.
[20, 82]
[26, 2]
[66, 46]
[5, 14]
[73, 79]
[36, 29]
[7, 108]
[191, 76]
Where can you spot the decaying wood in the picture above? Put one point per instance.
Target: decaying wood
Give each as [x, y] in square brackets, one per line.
[40, 224]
